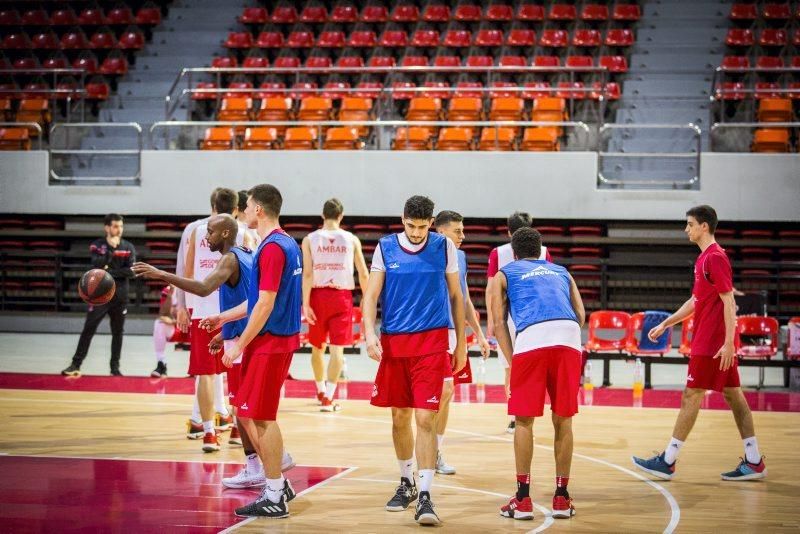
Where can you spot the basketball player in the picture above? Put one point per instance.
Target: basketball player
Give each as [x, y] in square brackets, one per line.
[164, 331]
[451, 225]
[415, 275]
[231, 277]
[499, 257]
[547, 309]
[250, 233]
[272, 334]
[713, 363]
[329, 255]
[115, 255]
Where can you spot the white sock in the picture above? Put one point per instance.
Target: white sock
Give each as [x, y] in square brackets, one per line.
[330, 390]
[161, 332]
[253, 463]
[320, 386]
[751, 453]
[196, 406]
[219, 396]
[439, 441]
[426, 479]
[407, 469]
[672, 450]
[274, 489]
[208, 426]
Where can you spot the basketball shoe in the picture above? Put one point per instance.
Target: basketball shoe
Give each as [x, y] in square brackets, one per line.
[656, 466]
[328, 405]
[511, 426]
[223, 422]
[72, 370]
[404, 495]
[264, 507]
[320, 396]
[210, 442]
[235, 438]
[442, 468]
[562, 507]
[194, 430]
[518, 509]
[425, 514]
[747, 471]
[160, 371]
[245, 479]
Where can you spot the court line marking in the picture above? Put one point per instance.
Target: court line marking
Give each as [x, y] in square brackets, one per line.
[547, 514]
[675, 509]
[325, 482]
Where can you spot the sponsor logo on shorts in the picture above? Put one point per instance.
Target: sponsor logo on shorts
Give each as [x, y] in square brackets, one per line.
[374, 390]
[462, 375]
[394, 265]
[433, 400]
[689, 378]
[244, 407]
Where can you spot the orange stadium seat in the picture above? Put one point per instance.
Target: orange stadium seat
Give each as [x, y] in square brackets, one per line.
[356, 109]
[14, 139]
[300, 138]
[34, 110]
[424, 109]
[220, 138]
[235, 109]
[315, 108]
[454, 139]
[413, 138]
[775, 110]
[260, 138]
[771, 140]
[497, 139]
[342, 138]
[540, 139]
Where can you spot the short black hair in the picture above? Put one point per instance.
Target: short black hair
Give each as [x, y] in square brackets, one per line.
[242, 200]
[268, 197]
[526, 243]
[110, 218]
[705, 214]
[418, 207]
[446, 217]
[519, 219]
[332, 209]
[226, 201]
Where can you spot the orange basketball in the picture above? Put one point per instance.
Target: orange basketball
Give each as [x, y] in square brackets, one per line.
[96, 287]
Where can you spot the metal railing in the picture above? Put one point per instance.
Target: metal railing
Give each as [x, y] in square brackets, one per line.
[65, 149]
[77, 93]
[749, 91]
[29, 125]
[716, 128]
[693, 156]
[161, 130]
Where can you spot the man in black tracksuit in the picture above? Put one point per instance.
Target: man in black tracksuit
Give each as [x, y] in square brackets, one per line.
[115, 255]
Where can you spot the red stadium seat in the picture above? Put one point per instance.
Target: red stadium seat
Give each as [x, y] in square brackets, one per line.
[586, 38]
[255, 62]
[331, 39]
[740, 37]
[9, 17]
[457, 39]
[447, 61]
[374, 14]
[55, 62]
[414, 61]
[594, 12]
[467, 13]
[468, 90]
[62, 17]
[579, 61]
[103, 40]
[381, 61]
[148, 16]
[634, 334]
[521, 37]
[563, 12]
[744, 12]
[286, 62]
[314, 14]
[405, 13]
[480, 61]
[284, 14]
[605, 320]
[224, 62]
[114, 65]
[499, 13]
[269, 40]
[344, 14]
[362, 39]
[571, 90]
[614, 64]
[776, 12]
[300, 39]
[394, 39]
[92, 17]
[133, 39]
[489, 38]
[425, 39]
[626, 12]
[756, 337]
[772, 37]
[512, 61]
[16, 41]
[45, 41]
[398, 92]
[120, 16]
[554, 39]
[436, 13]
[530, 12]
[350, 62]
[618, 37]
[735, 62]
[546, 61]
[86, 61]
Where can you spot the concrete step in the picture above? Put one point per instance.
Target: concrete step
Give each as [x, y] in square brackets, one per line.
[665, 88]
[678, 9]
[706, 61]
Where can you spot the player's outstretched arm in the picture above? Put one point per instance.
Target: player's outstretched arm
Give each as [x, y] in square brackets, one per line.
[499, 302]
[369, 312]
[457, 311]
[683, 312]
[576, 301]
[222, 272]
[215, 322]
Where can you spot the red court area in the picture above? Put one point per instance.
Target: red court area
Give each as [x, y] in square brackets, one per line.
[769, 401]
[45, 494]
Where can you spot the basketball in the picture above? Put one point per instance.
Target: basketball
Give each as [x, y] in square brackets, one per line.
[96, 287]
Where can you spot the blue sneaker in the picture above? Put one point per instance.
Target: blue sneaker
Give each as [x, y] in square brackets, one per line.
[747, 471]
[656, 466]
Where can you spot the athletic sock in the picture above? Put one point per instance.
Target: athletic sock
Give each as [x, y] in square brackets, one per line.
[561, 486]
[439, 441]
[320, 386]
[523, 485]
[751, 453]
[330, 390]
[160, 358]
[208, 426]
[426, 480]
[196, 417]
[253, 463]
[407, 469]
[274, 489]
[219, 396]
[672, 450]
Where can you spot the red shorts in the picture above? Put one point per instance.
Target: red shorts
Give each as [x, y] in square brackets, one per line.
[464, 376]
[179, 337]
[411, 382]
[556, 370]
[260, 383]
[704, 373]
[201, 361]
[334, 311]
[234, 379]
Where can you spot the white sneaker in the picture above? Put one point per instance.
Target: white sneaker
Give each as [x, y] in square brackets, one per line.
[287, 462]
[245, 479]
[442, 468]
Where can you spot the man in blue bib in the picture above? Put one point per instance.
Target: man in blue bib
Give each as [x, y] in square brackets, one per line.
[414, 274]
[547, 310]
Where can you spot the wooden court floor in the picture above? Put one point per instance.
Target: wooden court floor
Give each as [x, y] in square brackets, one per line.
[609, 495]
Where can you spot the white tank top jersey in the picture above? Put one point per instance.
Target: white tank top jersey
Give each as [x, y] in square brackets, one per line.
[505, 255]
[332, 254]
[206, 261]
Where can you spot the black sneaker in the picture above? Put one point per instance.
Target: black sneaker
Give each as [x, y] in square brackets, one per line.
[404, 495]
[115, 372]
[511, 426]
[425, 514]
[160, 371]
[72, 370]
[288, 490]
[263, 507]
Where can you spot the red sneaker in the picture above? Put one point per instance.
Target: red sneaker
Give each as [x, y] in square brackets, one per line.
[210, 442]
[562, 507]
[223, 422]
[320, 396]
[194, 430]
[329, 406]
[518, 509]
[235, 438]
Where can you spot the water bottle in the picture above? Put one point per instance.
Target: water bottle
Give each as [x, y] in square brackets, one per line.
[481, 371]
[341, 388]
[587, 376]
[480, 382]
[638, 377]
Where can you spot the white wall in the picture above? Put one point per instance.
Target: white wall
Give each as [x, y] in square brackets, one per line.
[549, 185]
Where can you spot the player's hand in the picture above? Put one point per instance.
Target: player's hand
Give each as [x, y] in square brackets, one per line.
[182, 320]
[459, 356]
[231, 355]
[145, 270]
[215, 345]
[656, 332]
[211, 323]
[166, 319]
[726, 355]
[485, 347]
[308, 311]
[374, 349]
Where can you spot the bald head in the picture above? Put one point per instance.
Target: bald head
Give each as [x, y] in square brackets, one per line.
[222, 230]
